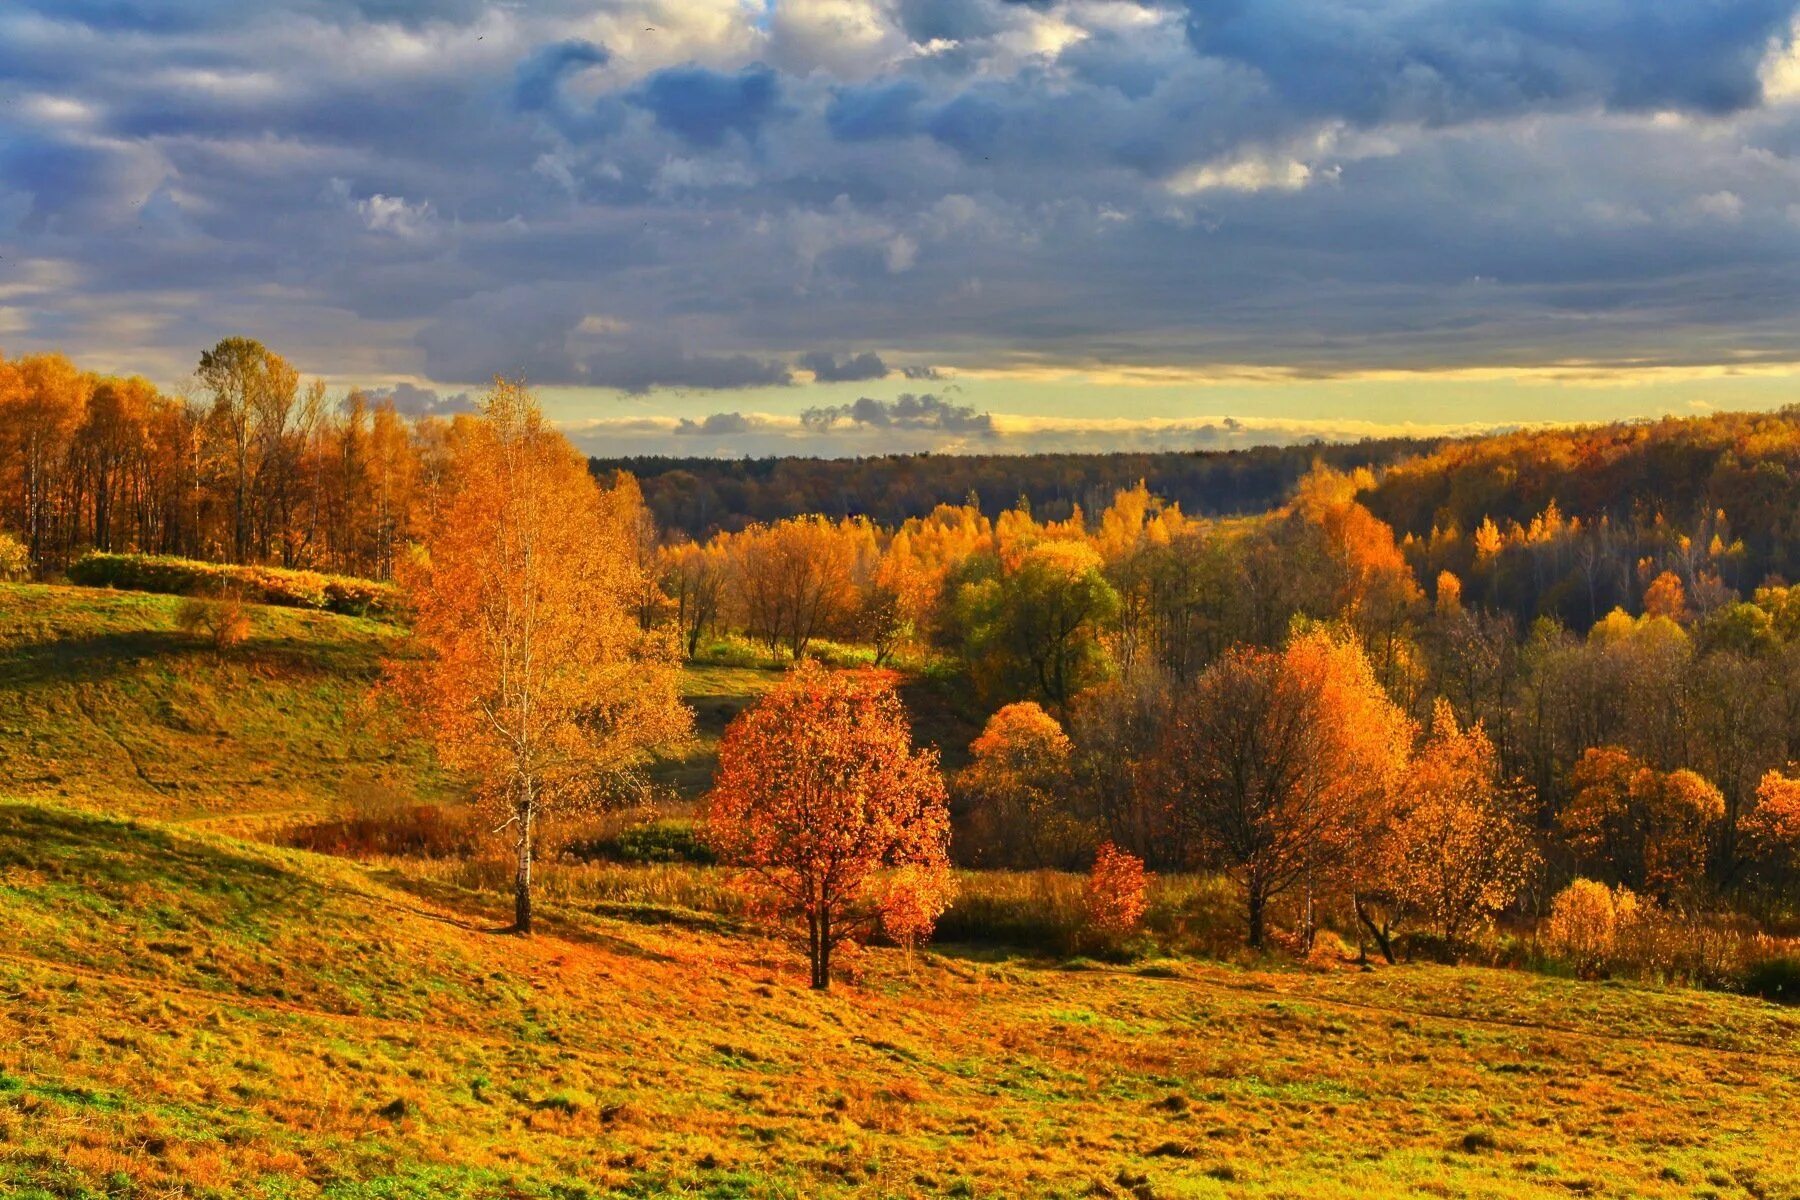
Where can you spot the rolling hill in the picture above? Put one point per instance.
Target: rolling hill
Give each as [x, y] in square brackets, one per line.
[190, 1010]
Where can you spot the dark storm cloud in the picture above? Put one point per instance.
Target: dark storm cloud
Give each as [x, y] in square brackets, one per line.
[639, 195]
[723, 424]
[1451, 60]
[703, 106]
[906, 411]
[881, 110]
[640, 368]
[537, 335]
[514, 333]
[414, 401]
[853, 369]
[538, 84]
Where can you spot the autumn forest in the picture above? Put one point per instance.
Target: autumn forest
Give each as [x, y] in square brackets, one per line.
[1525, 704]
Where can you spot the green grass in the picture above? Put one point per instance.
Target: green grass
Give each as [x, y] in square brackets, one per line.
[185, 1011]
[203, 1016]
[103, 699]
[941, 714]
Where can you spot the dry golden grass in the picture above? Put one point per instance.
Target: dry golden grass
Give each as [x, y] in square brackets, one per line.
[187, 1013]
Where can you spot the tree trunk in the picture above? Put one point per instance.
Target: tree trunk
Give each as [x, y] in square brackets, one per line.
[1256, 901]
[522, 880]
[1384, 938]
[821, 952]
[1310, 928]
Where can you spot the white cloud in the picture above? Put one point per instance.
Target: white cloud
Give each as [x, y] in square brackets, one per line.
[1780, 73]
[850, 39]
[394, 215]
[1720, 206]
[902, 253]
[1253, 173]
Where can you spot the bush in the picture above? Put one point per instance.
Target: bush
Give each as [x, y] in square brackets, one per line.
[1587, 921]
[1422, 945]
[647, 842]
[423, 831]
[261, 585]
[223, 620]
[1116, 892]
[15, 560]
[1776, 979]
[1029, 910]
[731, 650]
[1046, 911]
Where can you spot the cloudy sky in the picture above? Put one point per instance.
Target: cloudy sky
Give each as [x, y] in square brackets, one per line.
[838, 226]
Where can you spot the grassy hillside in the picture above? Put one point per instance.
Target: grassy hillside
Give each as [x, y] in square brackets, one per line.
[194, 1013]
[190, 1012]
[104, 701]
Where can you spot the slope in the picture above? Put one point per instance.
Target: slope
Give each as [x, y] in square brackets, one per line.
[185, 1012]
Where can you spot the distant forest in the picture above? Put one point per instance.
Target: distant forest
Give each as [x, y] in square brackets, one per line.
[700, 496]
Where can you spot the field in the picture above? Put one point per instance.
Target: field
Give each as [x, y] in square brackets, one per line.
[189, 1009]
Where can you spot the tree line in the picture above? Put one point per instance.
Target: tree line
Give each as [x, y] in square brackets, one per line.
[700, 496]
[252, 464]
[1278, 699]
[1123, 652]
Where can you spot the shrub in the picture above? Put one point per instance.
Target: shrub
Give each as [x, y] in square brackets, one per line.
[421, 831]
[646, 842]
[359, 597]
[1046, 911]
[15, 560]
[1116, 890]
[223, 620]
[1587, 921]
[1424, 945]
[262, 585]
[1033, 910]
[1776, 979]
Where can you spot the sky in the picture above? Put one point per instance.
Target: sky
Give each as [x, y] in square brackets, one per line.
[725, 227]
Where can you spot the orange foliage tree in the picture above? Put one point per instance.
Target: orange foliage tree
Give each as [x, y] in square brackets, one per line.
[1587, 922]
[796, 580]
[1117, 891]
[1775, 822]
[531, 671]
[912, 897]
[1460, 849]
[1282, 761]
[1649, 830]
[1012, 797]
[818, 793]
[1665, 597]
[1772, 829]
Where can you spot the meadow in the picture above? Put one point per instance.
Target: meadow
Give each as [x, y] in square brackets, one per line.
[191, 1005]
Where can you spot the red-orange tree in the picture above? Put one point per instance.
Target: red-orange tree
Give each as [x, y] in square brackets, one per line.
[532, 673]
[1282, 764]
[1631, 824]
[818, 791]
[1013, 798]
[1116, 896]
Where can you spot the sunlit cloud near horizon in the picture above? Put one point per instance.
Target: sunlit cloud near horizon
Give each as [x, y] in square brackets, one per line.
[714, 227]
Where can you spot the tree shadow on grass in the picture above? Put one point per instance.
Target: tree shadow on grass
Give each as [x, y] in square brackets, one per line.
[90, 659]
[119, 859]
[546, 921]
[97, 658]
